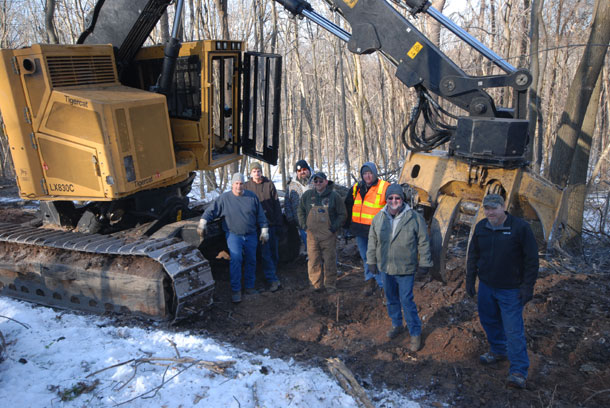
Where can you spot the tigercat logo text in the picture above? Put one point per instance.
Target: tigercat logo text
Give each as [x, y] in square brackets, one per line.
[62, 188]
[144, 182]
[76, 102]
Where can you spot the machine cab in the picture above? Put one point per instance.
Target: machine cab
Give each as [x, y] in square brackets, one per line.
[223, 102]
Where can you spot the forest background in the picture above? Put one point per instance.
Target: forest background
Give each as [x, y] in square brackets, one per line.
[341, 109]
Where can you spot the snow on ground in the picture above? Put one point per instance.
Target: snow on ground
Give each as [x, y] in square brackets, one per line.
[51, 353]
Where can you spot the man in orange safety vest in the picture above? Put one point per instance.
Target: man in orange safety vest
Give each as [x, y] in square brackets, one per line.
[363, 202]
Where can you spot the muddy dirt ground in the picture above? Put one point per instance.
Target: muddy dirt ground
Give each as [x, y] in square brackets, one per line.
[567, 329]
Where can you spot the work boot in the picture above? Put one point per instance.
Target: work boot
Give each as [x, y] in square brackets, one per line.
[490, 358]
[415, 344]
[395, 331]
[251, 291]
[274, 286]
[236, 297]
[516, 380]
[369, 287]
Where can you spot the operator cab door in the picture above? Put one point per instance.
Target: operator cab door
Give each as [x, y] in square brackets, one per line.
[262, 74]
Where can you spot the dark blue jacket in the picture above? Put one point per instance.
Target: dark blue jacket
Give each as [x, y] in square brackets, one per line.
[504, 258]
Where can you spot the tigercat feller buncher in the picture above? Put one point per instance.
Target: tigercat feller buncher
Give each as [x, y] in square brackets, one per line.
[486, 146]
[107, 135]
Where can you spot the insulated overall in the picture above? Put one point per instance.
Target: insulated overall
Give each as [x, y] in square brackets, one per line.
[321, 247]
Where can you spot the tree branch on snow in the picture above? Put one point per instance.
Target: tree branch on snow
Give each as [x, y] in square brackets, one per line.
[16, 321]
[348, 382]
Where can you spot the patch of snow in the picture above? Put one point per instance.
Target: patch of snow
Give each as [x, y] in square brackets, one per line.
[59, 350]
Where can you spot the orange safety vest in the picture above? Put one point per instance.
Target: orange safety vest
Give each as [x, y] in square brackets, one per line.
[374, 200]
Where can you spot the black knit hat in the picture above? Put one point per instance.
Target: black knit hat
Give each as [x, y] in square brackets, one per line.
[395, 189]
[301, 164]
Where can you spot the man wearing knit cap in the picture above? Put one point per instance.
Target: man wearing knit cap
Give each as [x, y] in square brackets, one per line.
[243, 214]
[503, 253]
[398, 244]
[321, 212]
[367, 198]
[267, 195]
[296, 187]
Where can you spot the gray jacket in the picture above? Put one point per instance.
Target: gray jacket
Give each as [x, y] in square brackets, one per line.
[294, 191]
[241, 214]
[399, 253]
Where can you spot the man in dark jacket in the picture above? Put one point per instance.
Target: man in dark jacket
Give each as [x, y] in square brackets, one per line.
[267, 195]
[242, 214]
[363, 202]
[321, 213]
[504, 255]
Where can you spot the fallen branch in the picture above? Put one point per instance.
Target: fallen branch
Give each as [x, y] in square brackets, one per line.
[348, 382]
[174, 346]
[217, 367]
[16, 321]
[595, 394]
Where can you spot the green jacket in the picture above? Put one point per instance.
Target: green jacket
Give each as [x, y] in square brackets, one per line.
[401, 254]
[328, 198]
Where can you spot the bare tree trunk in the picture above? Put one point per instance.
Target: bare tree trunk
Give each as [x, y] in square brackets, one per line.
[49, 13]
[164, 27]
[534, 96]
[344, 117]
[221, 6]
[580, 94]
[578, 172]
[435, 29]
[359, 108]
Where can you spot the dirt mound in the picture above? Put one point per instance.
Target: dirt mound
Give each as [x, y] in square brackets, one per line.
[567, 328]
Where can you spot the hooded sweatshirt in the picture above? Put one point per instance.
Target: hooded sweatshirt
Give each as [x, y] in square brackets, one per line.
[360, 230]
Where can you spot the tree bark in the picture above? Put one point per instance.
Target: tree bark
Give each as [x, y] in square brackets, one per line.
[49, 13]
[534, 92]
[579, 94]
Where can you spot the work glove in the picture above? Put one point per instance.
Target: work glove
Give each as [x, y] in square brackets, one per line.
[423, 270]
[470, 288]
[373, 269]
[264, 237]
[201, 227]
[526, 293]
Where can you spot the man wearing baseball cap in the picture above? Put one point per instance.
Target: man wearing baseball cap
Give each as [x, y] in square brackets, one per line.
[242, 215]
[503, 253]
[321, 213]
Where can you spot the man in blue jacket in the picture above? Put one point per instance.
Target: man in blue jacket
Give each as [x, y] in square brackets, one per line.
[504, 255]
[243, 213]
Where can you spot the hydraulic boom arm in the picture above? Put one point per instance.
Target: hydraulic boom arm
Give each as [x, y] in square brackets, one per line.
[378, 26]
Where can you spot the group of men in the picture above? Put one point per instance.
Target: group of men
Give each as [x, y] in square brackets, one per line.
[392, 240]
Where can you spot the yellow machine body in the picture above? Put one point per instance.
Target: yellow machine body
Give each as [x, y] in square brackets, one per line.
[455, 190]
[76, 133]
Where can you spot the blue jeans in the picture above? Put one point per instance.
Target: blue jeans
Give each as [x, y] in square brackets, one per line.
[363, 243]
[270, 256]
[501, 316]
[242, 248]
[399, 296]
[303, 235]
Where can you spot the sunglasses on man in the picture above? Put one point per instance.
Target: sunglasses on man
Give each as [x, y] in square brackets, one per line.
[393, 198]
